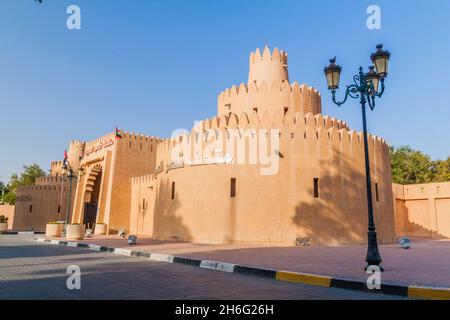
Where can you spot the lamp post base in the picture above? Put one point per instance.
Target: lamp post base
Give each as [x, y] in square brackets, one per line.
[373, 255]
[371, 265]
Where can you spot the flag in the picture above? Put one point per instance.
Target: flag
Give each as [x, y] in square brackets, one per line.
[65, 157]
[118, 135]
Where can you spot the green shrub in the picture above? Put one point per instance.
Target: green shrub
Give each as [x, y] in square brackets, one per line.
[55, 222]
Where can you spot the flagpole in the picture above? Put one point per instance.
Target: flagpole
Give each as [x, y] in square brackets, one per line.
[62, 187]
[60, 200]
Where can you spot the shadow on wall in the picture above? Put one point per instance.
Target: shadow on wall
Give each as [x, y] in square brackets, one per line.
[413, 229]
[167, 225]
[339, 214]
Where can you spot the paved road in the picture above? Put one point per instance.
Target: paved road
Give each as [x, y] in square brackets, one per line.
[32, 270]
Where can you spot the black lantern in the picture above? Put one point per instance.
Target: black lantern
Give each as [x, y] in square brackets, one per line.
[380, 59]
[373, 78]
[333, 73]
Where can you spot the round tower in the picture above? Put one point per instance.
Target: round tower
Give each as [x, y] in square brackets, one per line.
[269, 67]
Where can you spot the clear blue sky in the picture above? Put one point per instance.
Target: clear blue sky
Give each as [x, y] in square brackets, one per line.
[153, 66]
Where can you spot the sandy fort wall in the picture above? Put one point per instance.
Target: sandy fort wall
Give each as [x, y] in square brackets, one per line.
[275, 208]
[422, 210]
[38, 204]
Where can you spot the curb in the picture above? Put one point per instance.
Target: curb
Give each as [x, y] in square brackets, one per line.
[23, 233]
[412, 291]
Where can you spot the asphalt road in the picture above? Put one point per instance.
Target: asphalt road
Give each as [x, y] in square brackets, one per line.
[32, 270]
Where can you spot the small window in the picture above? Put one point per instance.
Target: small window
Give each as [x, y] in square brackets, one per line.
[316, 187]
[173, 191]
[129, 144]
[233, 188]
[286, 110]
[377, 198]
[228, 106]
[140, 146]
[255, 109]
[143, 204]
[59, 209]
[31, 207]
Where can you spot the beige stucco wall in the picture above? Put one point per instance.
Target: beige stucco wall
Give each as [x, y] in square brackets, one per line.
[276, 208]
[38, 204]
[422, 210]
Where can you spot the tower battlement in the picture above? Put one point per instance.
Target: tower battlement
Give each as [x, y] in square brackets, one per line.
[268, 67]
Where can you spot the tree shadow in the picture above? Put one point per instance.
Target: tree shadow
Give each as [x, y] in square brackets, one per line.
[30, 251]
[339, 214]
[167, 225]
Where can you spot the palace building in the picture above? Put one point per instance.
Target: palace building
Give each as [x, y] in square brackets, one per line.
[269, 168]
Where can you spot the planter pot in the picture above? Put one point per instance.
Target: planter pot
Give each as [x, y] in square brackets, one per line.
[3, 227]
[54, 230]
[75, 232]
[100, 229]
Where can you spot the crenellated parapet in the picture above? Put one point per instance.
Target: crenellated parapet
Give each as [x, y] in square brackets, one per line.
[48, 180]
[107, 142]
[147, 179]
[268, 67]
[316, 133]
[274, 97]
[269, 89]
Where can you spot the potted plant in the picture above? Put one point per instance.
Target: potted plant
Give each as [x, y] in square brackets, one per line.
[3, 224]
[75, 231]
[100, 228]
[54, 228]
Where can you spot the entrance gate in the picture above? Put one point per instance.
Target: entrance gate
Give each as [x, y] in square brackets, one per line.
[90, 214]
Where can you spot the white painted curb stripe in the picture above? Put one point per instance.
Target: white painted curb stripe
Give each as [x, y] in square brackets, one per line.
[124, 252]
[161, 257]
[219, 266]
[206, 264]
[226, 267]
[40, 240]
[54, 241]
[72, 244]
[95, 247]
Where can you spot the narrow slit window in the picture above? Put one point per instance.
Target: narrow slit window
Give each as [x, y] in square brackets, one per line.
[377, 197]
[31, 208]
[143, 204]
[140, 146]
[233, 188]
[59, 209]
[316, 187]
[129, 144]
[286, 110]
[173, 191]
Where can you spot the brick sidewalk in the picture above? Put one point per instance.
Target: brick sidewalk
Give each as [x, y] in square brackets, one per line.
[427, 263]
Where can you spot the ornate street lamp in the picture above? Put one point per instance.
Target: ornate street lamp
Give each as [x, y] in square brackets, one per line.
[365, 88]
[67, 170]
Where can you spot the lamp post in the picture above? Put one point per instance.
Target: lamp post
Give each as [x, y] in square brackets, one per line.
[67, 170]
[365, 88]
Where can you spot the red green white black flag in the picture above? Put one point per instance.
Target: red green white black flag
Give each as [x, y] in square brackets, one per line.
[118, 135]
